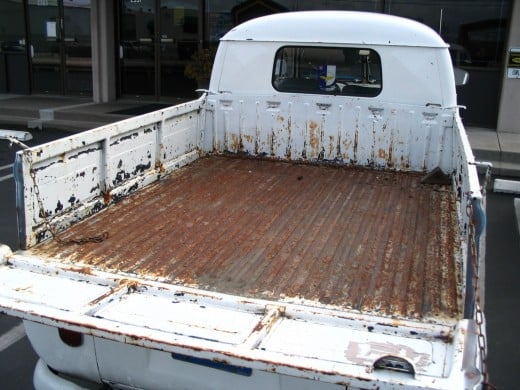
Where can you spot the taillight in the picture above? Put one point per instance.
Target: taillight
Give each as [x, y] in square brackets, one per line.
[70, 337]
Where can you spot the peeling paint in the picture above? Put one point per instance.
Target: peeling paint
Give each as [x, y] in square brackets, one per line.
[59, 207]
[84, 152]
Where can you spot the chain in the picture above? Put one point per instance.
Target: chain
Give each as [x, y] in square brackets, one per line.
[479, 313]
[46, 220]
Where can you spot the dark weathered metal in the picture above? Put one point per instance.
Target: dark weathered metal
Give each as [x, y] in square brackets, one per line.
[370, 240]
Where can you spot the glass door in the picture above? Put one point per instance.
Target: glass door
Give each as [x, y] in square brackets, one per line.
[45, 35]
[61, 58]
[179, 31]
[14, 68]
[156, 40]
[477, 36]
[137, 47]
[77, 47]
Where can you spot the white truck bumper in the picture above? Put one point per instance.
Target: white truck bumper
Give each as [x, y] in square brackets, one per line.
[45, 379]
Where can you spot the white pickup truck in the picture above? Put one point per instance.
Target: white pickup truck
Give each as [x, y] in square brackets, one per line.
[313, 220]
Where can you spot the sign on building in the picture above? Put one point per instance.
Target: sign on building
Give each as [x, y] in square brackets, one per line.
[513, 63]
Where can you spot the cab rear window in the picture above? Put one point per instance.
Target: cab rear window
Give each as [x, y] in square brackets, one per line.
[327, 70]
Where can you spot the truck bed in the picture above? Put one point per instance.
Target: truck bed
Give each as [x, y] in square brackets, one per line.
[370, 240]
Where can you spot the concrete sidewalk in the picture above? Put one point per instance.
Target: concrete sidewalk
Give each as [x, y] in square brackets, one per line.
[74, 114]
[68, 113]
[500, 149]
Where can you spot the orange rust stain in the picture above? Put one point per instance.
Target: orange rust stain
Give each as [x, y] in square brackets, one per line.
[248, 138]
[314, 137]
[332, 145]
[107, 197]
[159, 166]
[101, 297]
[382, 153]
[405, 163]
[82, 270]
[235, 142]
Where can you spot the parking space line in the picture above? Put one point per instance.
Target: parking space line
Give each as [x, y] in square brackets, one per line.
[12, 336]
[507, 186]
[4, 168]
[6, 177]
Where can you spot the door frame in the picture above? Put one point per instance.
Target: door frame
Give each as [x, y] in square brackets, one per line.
[158, 90]
[62, 42]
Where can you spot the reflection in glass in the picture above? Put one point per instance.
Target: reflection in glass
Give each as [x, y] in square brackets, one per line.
[14, 71]
[61, 46]
[179, 27]
[137, 52]
[476, 32]
[476, 29]
[77, 42]
[45, 29]
[223, 15]
[12, 32]
[157, 40]
[327, 70]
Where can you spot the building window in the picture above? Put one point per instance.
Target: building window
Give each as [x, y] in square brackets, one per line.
[332, 71]
[475, 30]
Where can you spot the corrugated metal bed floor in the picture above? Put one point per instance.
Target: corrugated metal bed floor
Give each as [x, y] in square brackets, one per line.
[371, 240]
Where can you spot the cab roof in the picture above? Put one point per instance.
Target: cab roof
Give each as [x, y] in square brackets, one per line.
[336, 27]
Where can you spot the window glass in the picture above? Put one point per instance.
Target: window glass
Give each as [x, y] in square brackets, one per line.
[336, 71]
[475, 30]
[348, 5]
[223, 15]
[12, 27]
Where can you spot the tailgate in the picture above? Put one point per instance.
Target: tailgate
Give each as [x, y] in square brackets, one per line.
[293, 337]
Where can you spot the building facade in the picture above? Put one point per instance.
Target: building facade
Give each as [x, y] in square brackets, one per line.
[110, 49]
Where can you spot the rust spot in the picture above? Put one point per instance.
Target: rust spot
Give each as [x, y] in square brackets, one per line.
[314, 138]
[332, 145]
[356, 140]
[131, 286]
[82, 270]
[249, 227]
[382, 154]
[248, 138]
[107, 197]
[404, 162]
[447, 338]
[268, 321]
[159, 166]
[101, 297]
[235, 142]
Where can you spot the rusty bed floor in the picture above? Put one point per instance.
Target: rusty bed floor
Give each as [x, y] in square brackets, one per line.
[375, 241]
